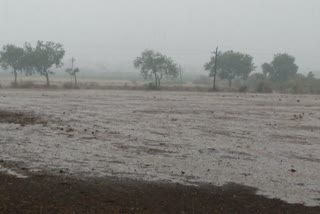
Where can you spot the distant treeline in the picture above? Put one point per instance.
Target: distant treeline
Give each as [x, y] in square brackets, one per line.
[281, 74]
[29, 60]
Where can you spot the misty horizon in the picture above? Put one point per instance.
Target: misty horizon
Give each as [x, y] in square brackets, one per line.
[111, 34]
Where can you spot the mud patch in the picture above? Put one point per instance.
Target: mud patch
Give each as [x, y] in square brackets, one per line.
[48, 194]
[20, 118]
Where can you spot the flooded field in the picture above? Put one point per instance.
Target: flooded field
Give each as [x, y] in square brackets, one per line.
[269, 142]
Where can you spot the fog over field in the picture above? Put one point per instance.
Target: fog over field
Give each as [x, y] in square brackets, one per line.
[108, 34]
[168, 106]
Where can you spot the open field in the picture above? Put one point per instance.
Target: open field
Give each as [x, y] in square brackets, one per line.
[269, 142]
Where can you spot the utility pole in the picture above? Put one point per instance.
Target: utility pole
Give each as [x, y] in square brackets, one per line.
[180, 72]
[73, 72]
[72, 62]
[216, 53]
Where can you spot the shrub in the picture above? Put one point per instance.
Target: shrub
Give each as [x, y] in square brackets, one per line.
[89, 85]
[243, 89]
[67, 85]
[264, 87]
[151, 86]
[27, 84]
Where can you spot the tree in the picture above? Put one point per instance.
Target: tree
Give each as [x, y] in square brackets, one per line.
[11, 57]
[213, 68]
[27, 64]
[45, 56]
[281, 69]
[154, 65]
[267, 69]
[257, 76]
[311, 76]
[231, 65]
[73, 72]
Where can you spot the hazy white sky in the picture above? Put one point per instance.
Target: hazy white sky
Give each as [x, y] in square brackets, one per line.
[113, 32]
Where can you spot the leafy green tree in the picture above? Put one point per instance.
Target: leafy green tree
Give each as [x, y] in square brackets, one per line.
[231, 65]
[282, 68]
[154, 65]
[45, 56]
[11, 57]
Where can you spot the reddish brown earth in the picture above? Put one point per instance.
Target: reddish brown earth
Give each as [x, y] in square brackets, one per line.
[49, 194]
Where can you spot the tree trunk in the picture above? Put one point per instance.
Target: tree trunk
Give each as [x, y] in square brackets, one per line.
[214, 82]
[159, 80]
[21, 74]
[47, 78]
[230, 83]
[156, 83]
[15, 77]
[75, 81]
[156, 80]
[215, 69]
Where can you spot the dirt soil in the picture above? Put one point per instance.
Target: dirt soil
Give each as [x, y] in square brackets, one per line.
[49, 194]
[268, 142]
[20, 118]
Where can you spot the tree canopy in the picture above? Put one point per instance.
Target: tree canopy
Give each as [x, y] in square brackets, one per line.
[311, 75]
[30, 59]
[45, 56]
[231, 65]
[281, 68]
[154, 65]
[12, 56]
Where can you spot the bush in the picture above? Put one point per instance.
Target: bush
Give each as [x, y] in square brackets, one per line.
[67, 85]
[301, 86]
[151, 86]
[27, 84]
[89, 85]
[264, 87]
[243, 89]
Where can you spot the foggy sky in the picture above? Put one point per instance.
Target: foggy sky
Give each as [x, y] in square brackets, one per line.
[113, 32]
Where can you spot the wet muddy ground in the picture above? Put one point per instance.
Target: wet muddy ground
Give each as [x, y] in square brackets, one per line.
[269, 142]
[51, 194]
